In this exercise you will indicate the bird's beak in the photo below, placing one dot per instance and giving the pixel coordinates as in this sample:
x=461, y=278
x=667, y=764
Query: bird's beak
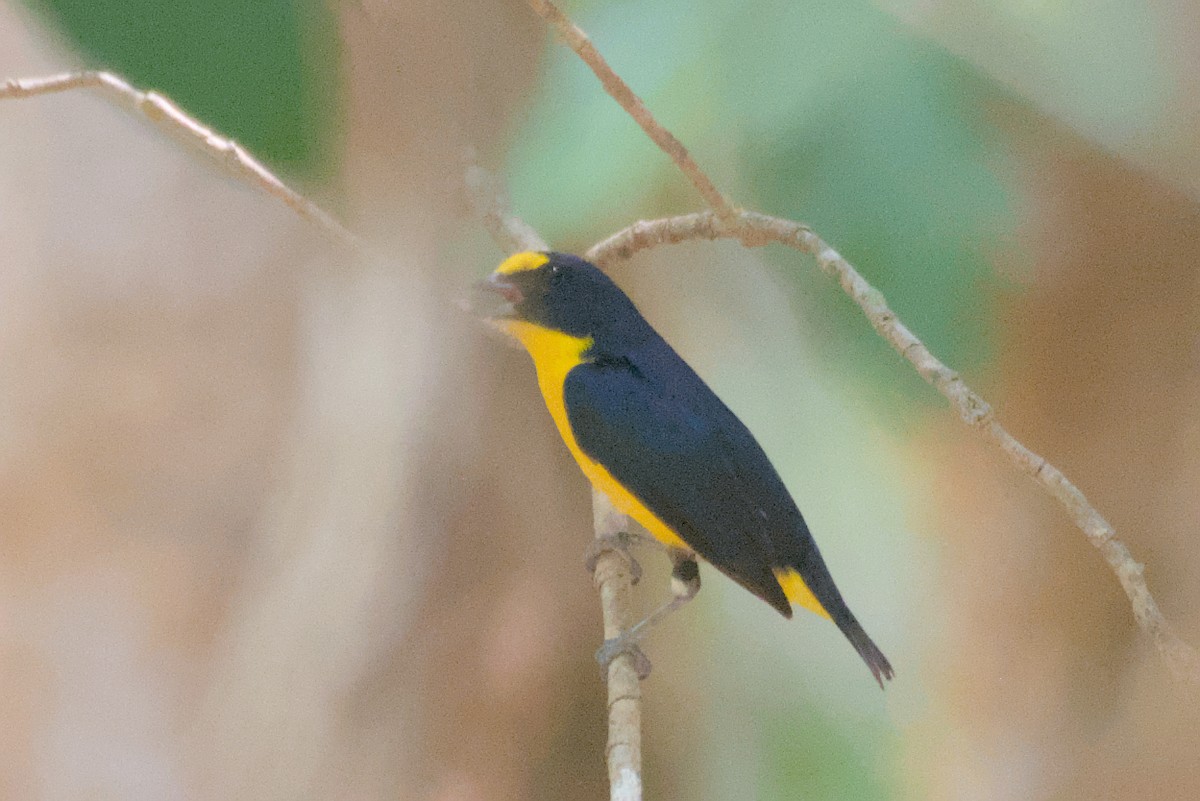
x=504, y=287
x=495, y=297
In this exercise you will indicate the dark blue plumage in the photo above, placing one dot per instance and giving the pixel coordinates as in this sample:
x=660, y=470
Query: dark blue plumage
x=638, y=409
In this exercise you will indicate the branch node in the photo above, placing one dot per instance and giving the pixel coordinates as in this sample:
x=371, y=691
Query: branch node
x=976, y=412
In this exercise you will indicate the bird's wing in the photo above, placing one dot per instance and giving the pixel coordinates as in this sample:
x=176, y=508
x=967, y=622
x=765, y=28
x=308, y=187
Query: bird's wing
x=681, y=464
x=696, y=468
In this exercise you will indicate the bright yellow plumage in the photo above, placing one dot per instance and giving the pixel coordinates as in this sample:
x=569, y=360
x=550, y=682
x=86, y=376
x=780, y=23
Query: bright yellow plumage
x=644, y=415
x=554, y=354
x=798, y=592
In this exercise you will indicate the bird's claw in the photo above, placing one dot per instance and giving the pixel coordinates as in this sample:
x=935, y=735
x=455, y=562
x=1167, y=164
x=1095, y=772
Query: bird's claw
x=623, y=644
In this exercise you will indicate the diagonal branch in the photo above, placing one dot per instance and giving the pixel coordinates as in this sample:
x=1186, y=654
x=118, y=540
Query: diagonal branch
x=759, y=229
x=578, y=41
x=756, y=229
x=490, y=201
x=163, y=112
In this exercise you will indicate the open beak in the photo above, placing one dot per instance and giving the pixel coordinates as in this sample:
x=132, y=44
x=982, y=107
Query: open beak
x=504, y=287
x=497, y=298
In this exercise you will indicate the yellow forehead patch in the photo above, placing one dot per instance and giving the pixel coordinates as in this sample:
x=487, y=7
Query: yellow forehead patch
x=521, y=262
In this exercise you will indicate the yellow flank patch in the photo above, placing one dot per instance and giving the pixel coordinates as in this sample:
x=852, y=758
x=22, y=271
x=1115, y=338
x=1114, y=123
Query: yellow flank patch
x=554, y=355
x=798, y=592
x=520, y=262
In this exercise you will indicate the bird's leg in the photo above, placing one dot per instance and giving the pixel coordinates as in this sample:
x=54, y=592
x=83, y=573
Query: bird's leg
x=685, y=583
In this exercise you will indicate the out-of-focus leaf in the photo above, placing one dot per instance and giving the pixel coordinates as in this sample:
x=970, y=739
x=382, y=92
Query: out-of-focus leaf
x=858, y=129
x=807, y=755
x=579, y=165
x=264, y=73
x=1104, y=67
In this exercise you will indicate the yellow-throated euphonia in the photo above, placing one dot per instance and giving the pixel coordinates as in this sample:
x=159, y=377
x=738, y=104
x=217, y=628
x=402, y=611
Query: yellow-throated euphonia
x=651, y=435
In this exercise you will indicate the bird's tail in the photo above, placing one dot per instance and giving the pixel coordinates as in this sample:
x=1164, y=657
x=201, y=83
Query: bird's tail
x=797, y=591
x=881, y=669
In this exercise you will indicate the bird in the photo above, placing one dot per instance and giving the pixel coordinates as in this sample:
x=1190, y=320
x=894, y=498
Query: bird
x=650, y=434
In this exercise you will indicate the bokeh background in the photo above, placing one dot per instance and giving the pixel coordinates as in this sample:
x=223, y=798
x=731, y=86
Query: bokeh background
x=279, y=523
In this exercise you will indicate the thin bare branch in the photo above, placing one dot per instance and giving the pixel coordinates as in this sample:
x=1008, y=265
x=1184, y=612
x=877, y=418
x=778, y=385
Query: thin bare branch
x=578, y=41
x=164, y=113
x=614, y=582
x=611, y=574
x=490, y=200
x=754, y=229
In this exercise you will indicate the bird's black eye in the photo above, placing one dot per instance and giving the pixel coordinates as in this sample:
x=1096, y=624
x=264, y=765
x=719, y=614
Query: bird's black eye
x=556, y=274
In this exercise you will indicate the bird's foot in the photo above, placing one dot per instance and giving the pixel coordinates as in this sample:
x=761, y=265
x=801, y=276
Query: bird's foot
x=618, y=543
x=624, y=643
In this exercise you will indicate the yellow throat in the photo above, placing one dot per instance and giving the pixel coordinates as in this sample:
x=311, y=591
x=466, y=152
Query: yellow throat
x=554, y=355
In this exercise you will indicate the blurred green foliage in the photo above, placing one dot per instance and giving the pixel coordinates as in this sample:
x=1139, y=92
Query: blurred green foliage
x=824, y=111
x=263, y=73
x=829, y=112
x=806, y=754
x=871, y=137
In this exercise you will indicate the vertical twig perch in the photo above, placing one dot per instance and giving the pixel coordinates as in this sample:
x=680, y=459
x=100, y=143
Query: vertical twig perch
x=611, y=575
x=614, y=581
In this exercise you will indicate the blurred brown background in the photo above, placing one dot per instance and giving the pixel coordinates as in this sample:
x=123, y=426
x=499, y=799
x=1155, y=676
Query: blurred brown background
x=280, y=523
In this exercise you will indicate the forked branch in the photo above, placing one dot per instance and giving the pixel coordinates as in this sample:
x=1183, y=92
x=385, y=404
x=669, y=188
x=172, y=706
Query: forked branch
x=752, y=229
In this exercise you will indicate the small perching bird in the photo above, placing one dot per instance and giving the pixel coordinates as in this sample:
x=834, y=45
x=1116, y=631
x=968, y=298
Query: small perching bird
x=651, y=435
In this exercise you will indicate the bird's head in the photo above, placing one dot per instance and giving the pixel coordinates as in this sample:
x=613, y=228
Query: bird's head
x=563, y=293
